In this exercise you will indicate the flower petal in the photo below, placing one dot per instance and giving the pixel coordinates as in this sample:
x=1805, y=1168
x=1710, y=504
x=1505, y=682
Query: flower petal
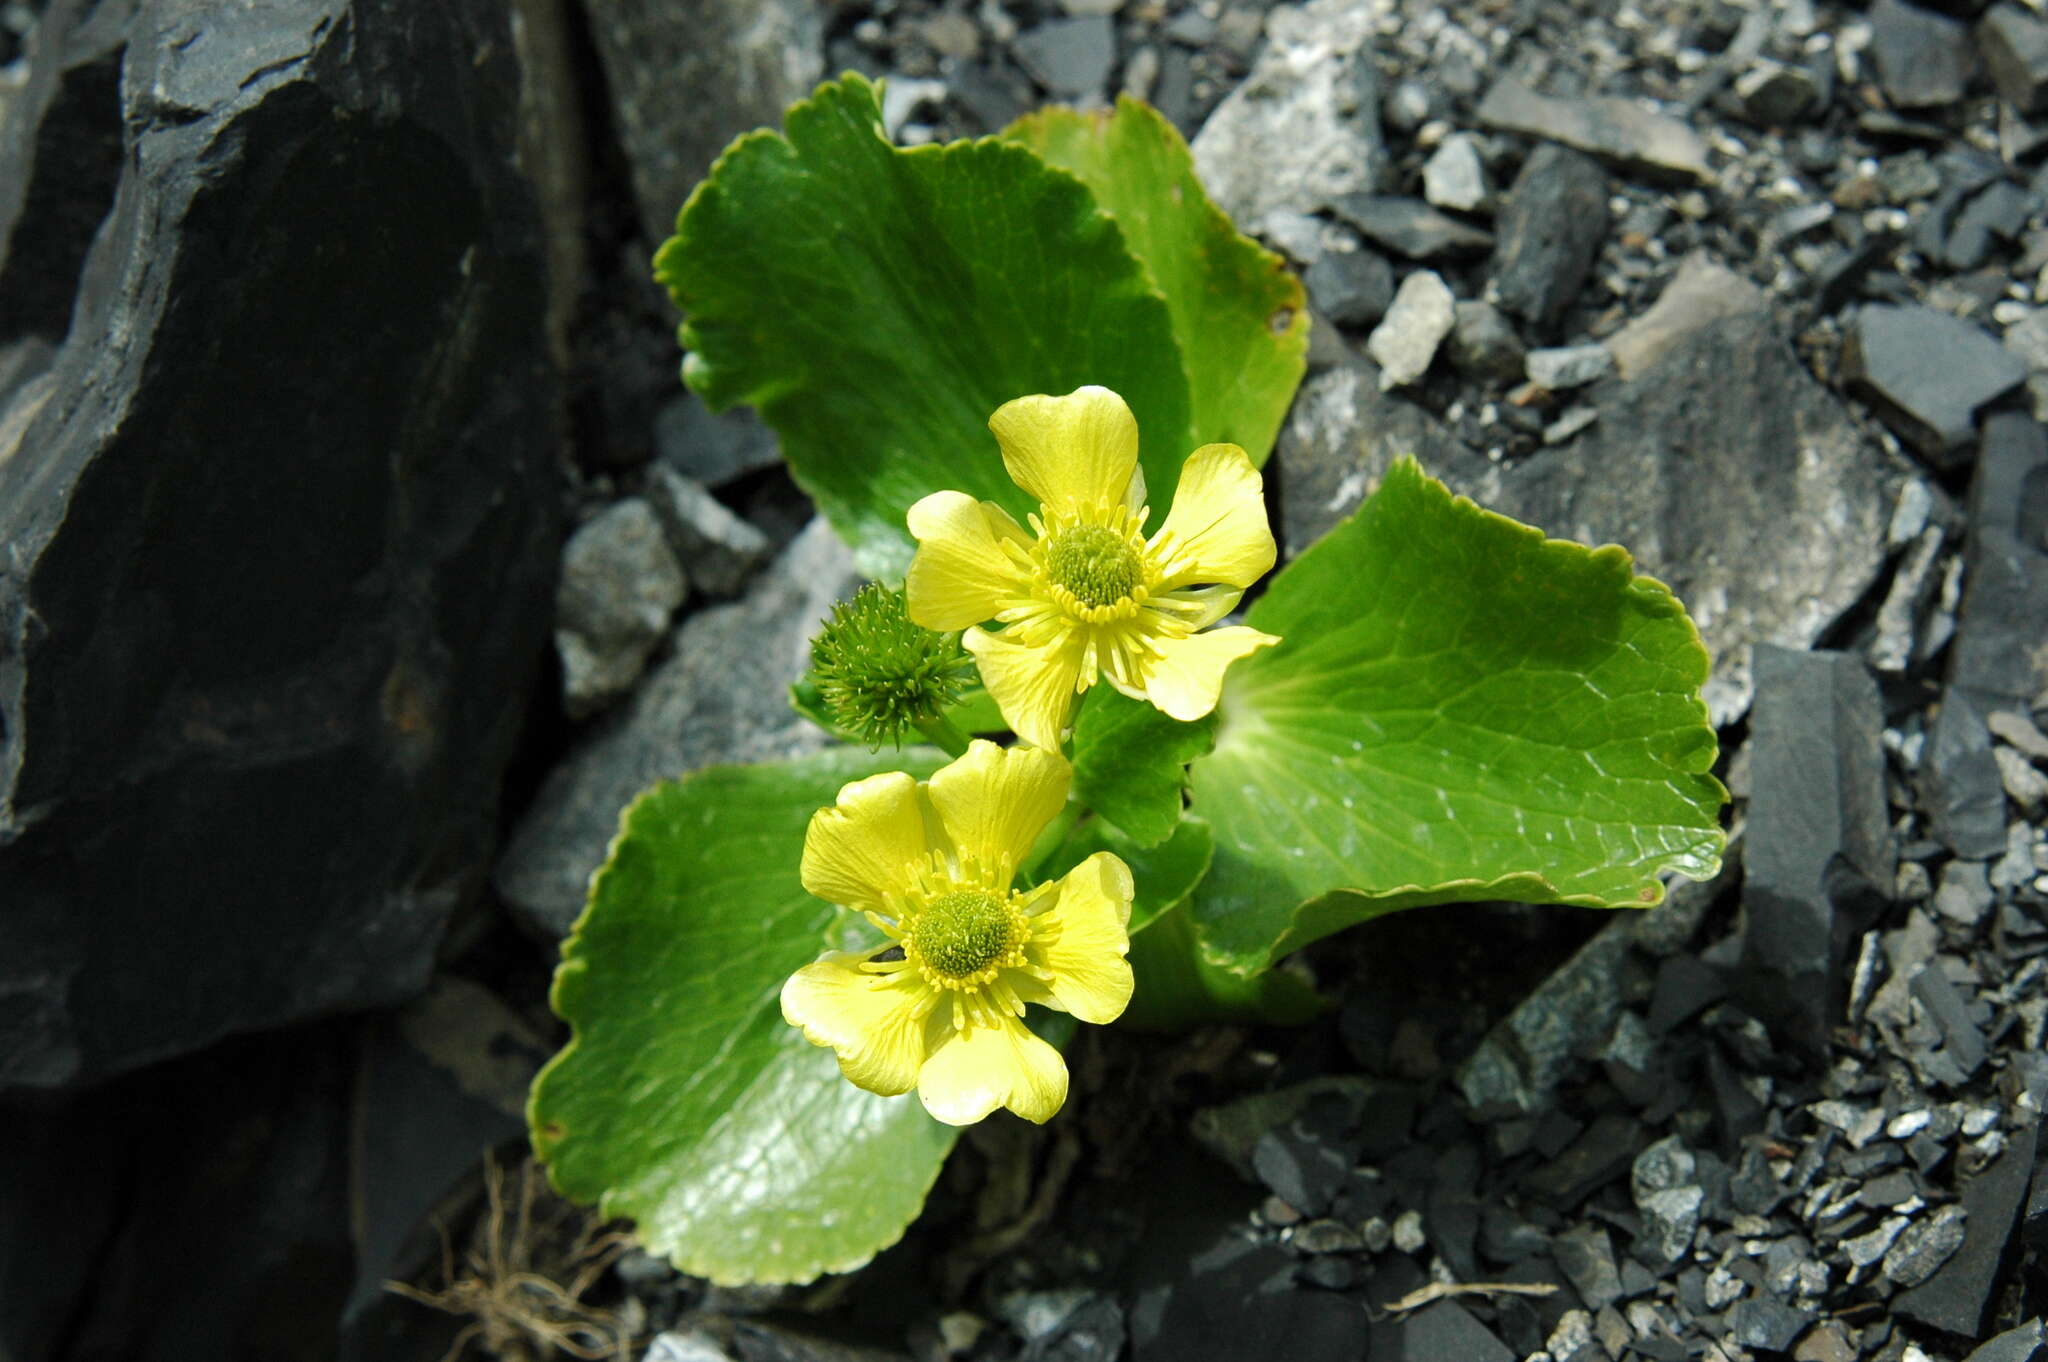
x=961, y=575
x=1032, y=686
x=863, y=846
x=1217, y=530
x=1082, y=939
x=1072, y=451
x=1187, y=675
x=989, y=1066
x=873, y=1022
x=995, y=801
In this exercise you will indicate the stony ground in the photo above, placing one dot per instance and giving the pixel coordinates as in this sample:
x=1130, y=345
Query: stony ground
x=1759, y=291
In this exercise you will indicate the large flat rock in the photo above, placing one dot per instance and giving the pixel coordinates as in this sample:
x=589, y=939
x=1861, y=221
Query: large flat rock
x=280, y=536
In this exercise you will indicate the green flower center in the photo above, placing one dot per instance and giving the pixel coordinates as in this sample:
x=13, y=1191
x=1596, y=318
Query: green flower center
x=1095, y=563
x=963, y=932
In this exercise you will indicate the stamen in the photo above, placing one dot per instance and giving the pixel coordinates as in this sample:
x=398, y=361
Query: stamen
x=1095, y=564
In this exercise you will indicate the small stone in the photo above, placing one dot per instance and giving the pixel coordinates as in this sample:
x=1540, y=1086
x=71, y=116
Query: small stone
x=1484, y=345
x=1618, y=130
x=1923, y=60
x=2014, y=727
x=1351, y=288
x=620, y=583
x=1586, y=1256
x=1760, y=1322
x=1896, y=643
x=2014, y=43
x=1326, y=1236
x=1926, y=373
x=2027, y=786
x=1828, y=1343
x=1405, y=342
x=718, y=551
x=1454, y=177
x=1571, y=366
x=1550, y=232
x=1408, y=1235
x=1964, y=894
x=1773, y=95
x=1702, y=292
x=713, y=449
x=1868, y=1248
x=1411, y=228
x=1447, y=1332
x=1070, y=57
x=1960, y=786
x=1925, y=1246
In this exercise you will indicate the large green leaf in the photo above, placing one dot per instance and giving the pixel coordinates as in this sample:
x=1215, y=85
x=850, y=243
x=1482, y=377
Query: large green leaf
x=1238, y=312
x=683, y=1101
x=1130, y=760
x=1459, y=709
x=877, y=303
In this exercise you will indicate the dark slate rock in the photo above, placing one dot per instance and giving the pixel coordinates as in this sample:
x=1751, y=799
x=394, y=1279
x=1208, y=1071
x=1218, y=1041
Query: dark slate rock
x=2014, y=43
x=1586, y=1254
x=1955, y=1297
x=1995, y=655
x=1240, y=1301
x=1483, y=345
x=234, y=1235
x=1760, y=1322
x=1092, y=1332
x=1960, y=786
x=1924, y=60
x=1963, y=1041
x=1072, y=58
x=274, y=602
x=438, y=1085
x=721, y=696
x=1620, y=131
x=56, y=1210
x=1301, y=1167
x=2024, y=1344
x=1754, y=1188
x=1926, y=373
x=1772, y=95
x=1447, y=1332
x=1994, y=215
x=685, y=80
x=1819, y=862
x=60, y=159
x=1550, y=232
x=1410, y=227
x=2034, y=1221
x=1686, y=986
x=1351, y=288
x=1523, y=1059
x=1599, y=1156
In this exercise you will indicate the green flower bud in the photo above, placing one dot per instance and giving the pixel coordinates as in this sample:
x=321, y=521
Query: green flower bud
x=880, y=675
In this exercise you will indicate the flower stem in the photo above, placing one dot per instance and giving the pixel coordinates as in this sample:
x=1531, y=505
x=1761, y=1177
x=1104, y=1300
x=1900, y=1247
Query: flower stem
x=944, y=734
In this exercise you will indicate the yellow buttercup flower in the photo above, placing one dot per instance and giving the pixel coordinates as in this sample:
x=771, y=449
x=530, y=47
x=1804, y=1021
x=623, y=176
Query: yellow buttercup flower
x=934, y=866
x=1087, y=595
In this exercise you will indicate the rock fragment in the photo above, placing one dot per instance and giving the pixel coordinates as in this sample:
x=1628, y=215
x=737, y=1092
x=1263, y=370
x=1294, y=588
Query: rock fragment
x=1955, y=1297
x=1924, y=60
x=1351, y=288
x=1550, y=233
x=1411, y=228
x=1926, y=373
x=1072, y=58
x=620, y=583
x=1303, y=128
x=1454, y=177
x=1570, y=366
x=1484, y=345
x=1405, y=341
x=1700, y=293
x=1620, y=131
x=1819, y=862
x=2014, y=43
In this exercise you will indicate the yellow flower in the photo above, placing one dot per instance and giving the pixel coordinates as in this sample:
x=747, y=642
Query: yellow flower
x=933, y=866
x=1089, y=596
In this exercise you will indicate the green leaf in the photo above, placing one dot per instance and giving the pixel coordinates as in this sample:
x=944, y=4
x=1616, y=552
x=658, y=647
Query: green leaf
x=1238, y=312
x=877, y=304
x=1460, y=709
x=683, y=1101
x=1130, y=760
